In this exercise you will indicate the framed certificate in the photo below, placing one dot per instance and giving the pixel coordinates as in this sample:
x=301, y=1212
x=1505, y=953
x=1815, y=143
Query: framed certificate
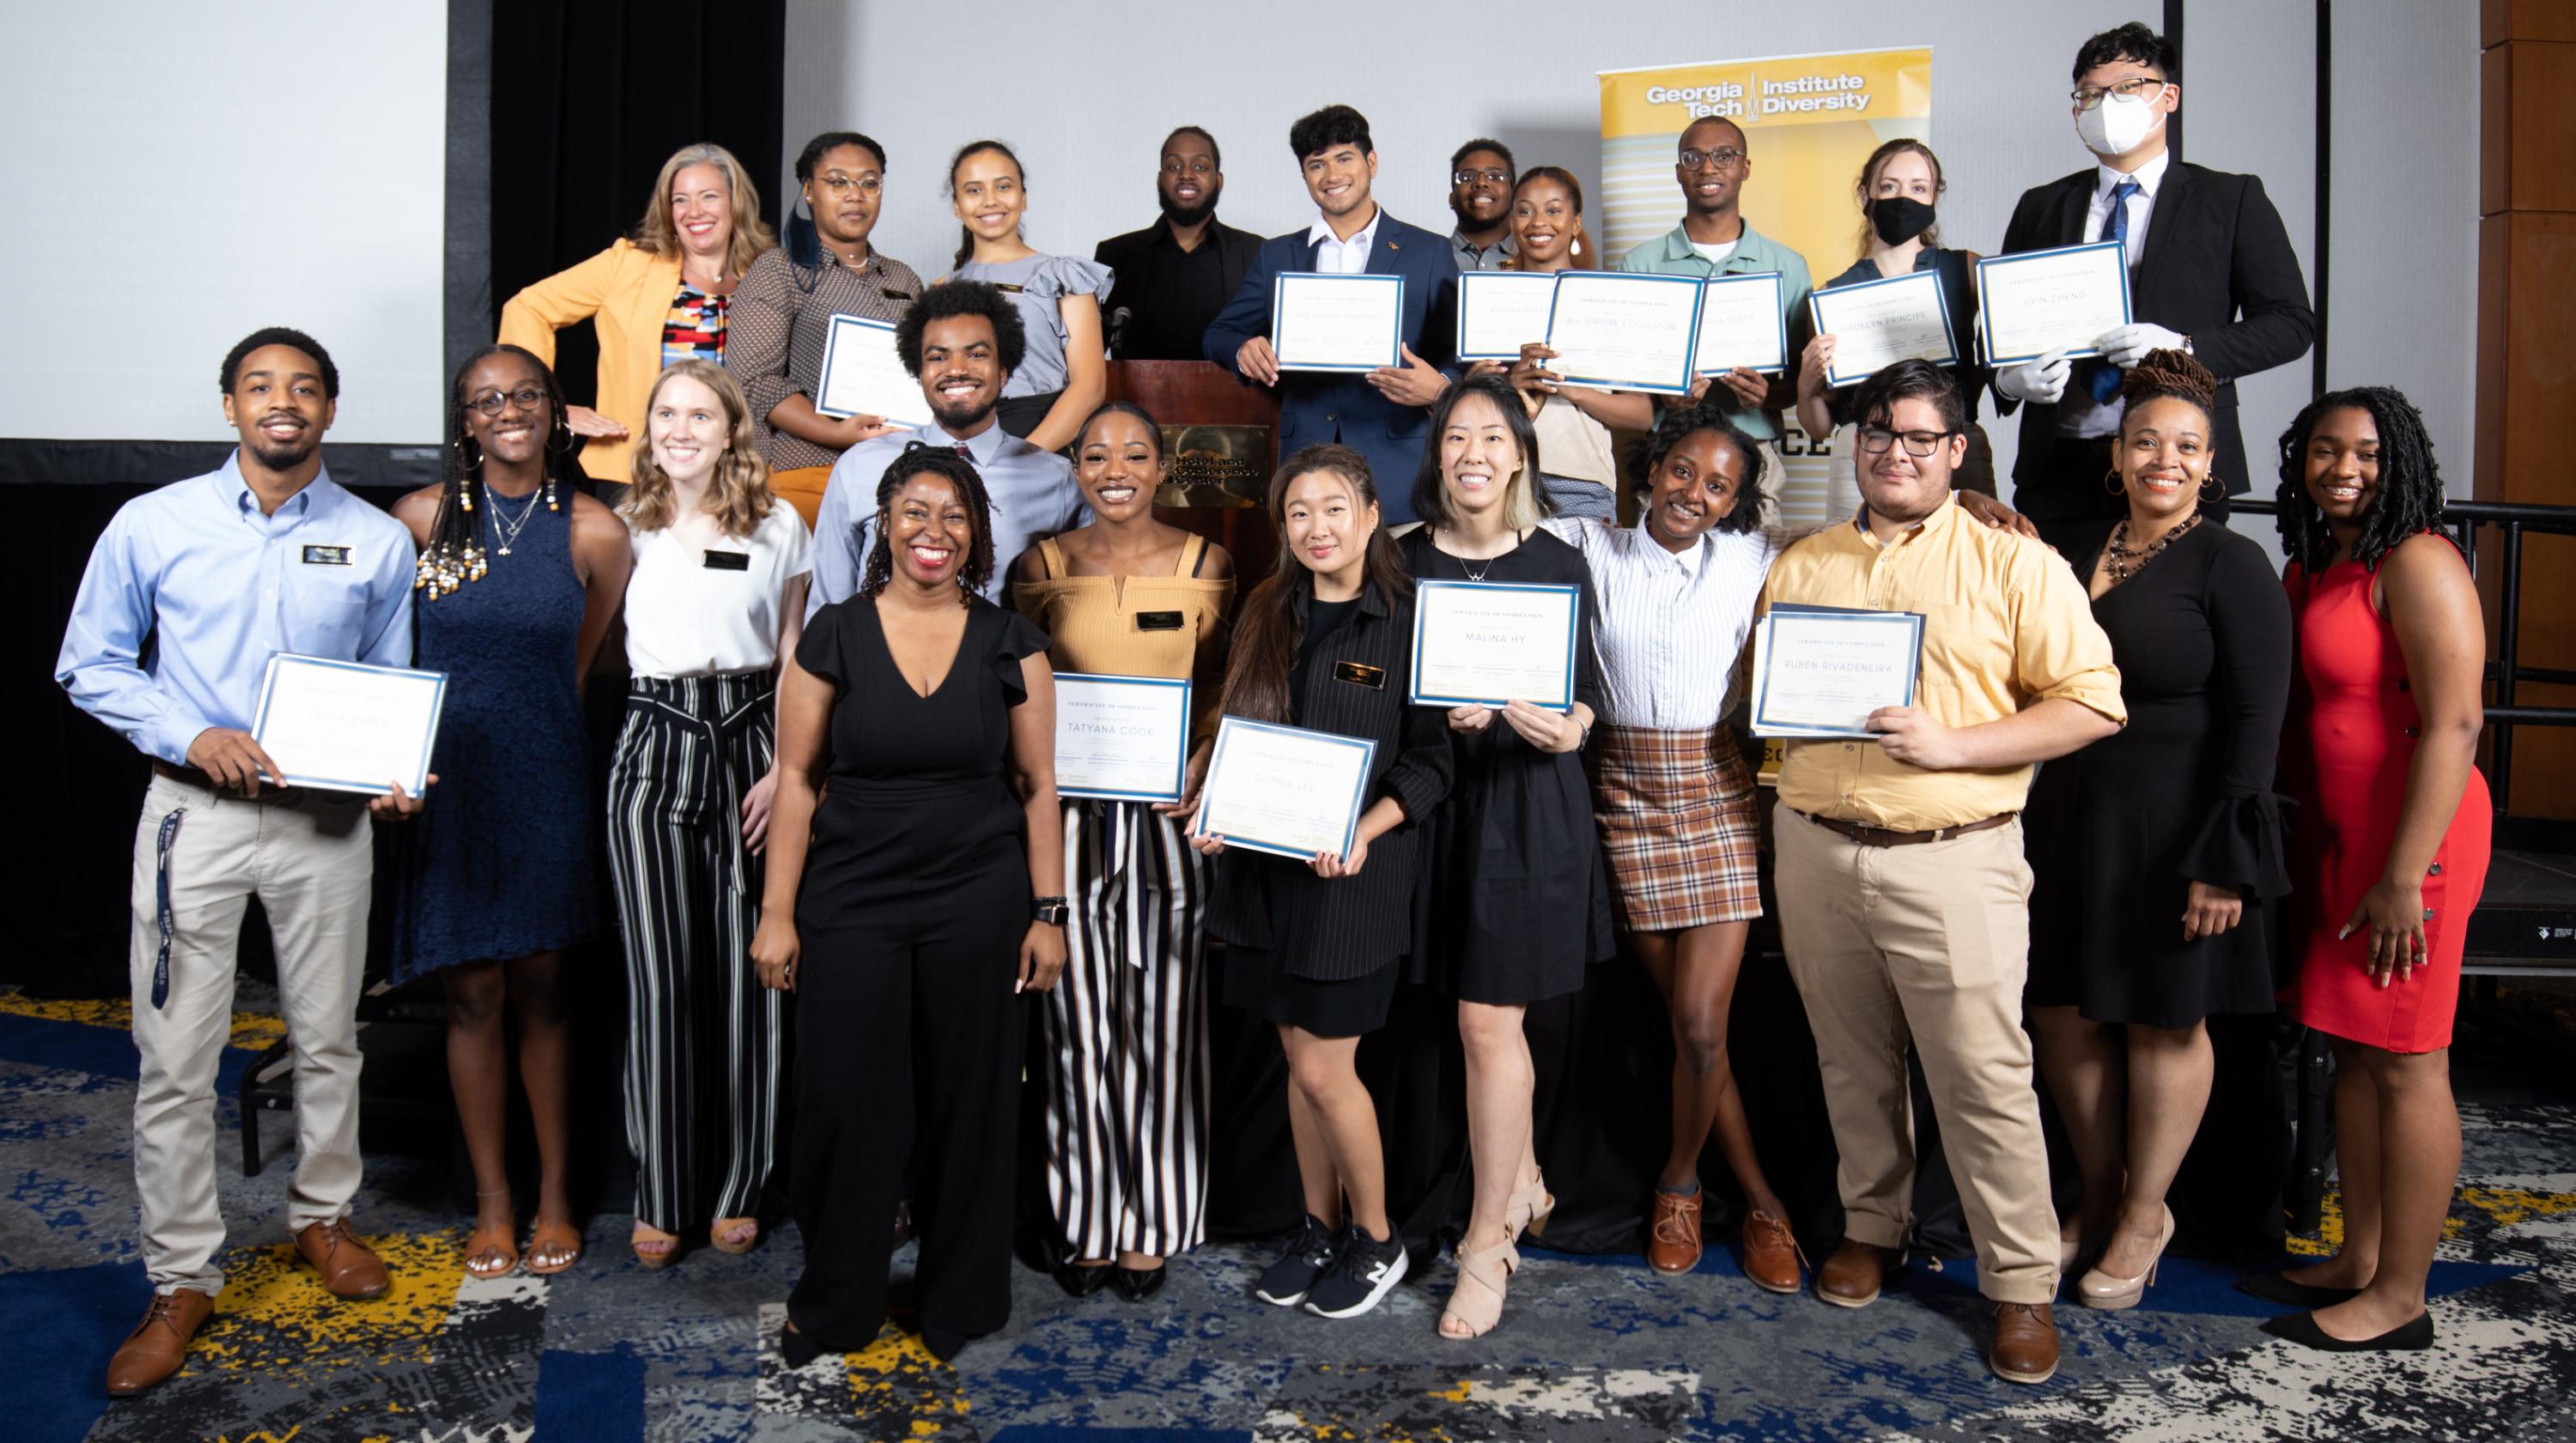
x=343, y=726
x=1878, y=323
x=1336, y=323
x=863, y=375
x=1501, y=311
x=1285, y=789
x=1624, y=332
x=1742, y=322
x=1484, y=643
x=1819, y=671
x=2053, y=300
x=1121, y=738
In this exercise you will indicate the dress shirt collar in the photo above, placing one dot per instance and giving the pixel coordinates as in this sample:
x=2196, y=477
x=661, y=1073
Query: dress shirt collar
x=1372, y=601
x=2148, y=176
x=1164, y=237
x=1944, y=515
x=1469, y=252
x=984, y=445
x=229, y=482
x=1753, y=251
x=1365, y=238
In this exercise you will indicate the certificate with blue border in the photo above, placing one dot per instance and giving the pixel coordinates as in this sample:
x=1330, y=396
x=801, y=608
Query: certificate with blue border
x=863, y=375
x=1485, y=643
x=2035, y=302
x=1819, y=671
x=1876, y=324
x=1285, y=790
x=1321, y=322
x=1624, y=331
x=1742, y=322
x=1501, y=311
x=1121, y=738
x=345, y=726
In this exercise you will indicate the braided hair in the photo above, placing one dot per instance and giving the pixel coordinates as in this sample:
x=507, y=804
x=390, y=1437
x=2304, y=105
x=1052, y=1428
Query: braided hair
x=2410, y=481
x=1679, y=424
x=921, y=460
x=454, y=554
x=2177, y=375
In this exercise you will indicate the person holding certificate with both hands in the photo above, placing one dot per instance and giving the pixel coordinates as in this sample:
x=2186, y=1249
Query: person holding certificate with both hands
x=1314, y=944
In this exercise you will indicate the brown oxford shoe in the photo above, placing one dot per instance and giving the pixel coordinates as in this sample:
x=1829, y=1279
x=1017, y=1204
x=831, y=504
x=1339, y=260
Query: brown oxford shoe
x=1672, y=1239
x=348, y=1267
x=1852, y=1277
x=155, y=1348
x=2025, y=1348
x=1770, y=1253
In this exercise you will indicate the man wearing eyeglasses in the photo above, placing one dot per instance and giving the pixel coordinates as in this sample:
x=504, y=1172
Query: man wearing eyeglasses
x=1903, y=891
x=2211, y=273
x=1176, y=274
x=1481, y=175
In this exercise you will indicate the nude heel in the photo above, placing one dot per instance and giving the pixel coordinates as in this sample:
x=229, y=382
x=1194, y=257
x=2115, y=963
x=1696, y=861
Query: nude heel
x=2098, y=1289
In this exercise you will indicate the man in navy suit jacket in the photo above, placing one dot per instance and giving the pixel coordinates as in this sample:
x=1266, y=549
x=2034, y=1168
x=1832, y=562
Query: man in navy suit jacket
x=1382, y=413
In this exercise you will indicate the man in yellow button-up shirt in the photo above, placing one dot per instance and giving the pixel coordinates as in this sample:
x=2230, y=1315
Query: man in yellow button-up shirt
x=1903, y=892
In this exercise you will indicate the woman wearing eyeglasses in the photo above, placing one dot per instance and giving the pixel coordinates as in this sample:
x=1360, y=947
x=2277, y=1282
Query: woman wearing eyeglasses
x=782, y=316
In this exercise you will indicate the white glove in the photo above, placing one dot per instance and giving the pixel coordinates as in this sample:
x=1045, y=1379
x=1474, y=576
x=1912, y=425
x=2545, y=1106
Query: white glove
x=2039, y=382
x=2127, y=345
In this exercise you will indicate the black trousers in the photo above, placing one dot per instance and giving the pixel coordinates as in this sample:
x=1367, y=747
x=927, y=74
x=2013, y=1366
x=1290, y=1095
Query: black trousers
x=2071, y=489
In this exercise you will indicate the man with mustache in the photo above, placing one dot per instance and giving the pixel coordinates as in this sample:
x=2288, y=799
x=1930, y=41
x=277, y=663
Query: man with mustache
x=1176, y=274
x=1481, y=176
x=189, y=592
x=962, y=339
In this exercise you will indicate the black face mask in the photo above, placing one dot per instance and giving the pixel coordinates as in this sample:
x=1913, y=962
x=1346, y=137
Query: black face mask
x=1899, y=219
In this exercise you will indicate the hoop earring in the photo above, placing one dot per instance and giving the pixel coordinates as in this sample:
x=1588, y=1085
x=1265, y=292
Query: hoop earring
x=2205, y=494
x=2111, y=482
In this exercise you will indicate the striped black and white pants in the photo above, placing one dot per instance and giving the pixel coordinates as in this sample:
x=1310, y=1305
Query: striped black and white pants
x=1126, y=1031
x=704, y=1039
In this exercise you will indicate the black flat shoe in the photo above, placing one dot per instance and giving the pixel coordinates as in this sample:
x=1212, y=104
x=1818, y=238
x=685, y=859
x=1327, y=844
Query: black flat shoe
x=942, y=1343
x=796, y=1349
x=2301, y=1328
x=1138, y=1284
x=1079, y=1281
x=2277, y=1288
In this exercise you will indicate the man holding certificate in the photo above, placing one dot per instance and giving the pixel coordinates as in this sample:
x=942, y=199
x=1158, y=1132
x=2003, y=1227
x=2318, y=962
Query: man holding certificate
x=1901, y=877
x=189, y=593
x=1376, y=408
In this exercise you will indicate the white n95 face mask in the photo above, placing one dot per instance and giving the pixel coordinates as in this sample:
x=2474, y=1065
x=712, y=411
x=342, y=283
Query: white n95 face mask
x=2115, y=126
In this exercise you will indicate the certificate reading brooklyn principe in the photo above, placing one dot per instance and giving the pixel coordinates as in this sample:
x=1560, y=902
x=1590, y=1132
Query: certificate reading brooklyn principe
x=1876, y=324
x=1336, y=323
x=1121, y=738
x=342, y=726
x=1485, y=643
x=1819, y=671
x=1284, y=789
x=863, y=375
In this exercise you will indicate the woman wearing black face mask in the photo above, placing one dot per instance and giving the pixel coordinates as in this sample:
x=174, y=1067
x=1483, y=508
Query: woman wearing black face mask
x=1899, y=234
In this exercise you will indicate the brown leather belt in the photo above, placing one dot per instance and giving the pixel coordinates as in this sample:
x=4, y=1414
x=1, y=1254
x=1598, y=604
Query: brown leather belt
x=1869, y=836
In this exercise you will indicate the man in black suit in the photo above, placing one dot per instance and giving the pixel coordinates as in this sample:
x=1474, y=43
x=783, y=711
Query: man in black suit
x=1173, y=276
x=2211, y=273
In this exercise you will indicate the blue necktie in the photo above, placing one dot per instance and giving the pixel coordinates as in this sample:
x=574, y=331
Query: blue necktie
x=2103, y=379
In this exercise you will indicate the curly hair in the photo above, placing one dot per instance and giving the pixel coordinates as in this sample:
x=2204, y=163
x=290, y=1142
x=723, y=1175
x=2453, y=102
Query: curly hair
x=656, y=235
x=1680, y=424
x=454, y=554
x=2174, y=375
x=738, y=494
x=950, y=299
x=920, y=460
x=2410, y=481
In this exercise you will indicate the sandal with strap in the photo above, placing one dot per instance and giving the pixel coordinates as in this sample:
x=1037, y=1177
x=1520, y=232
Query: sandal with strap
x=1476, y=1303
x=552, y=1247
x=654, y=1248
x=1529, y=1209
x=489, y=1252
x=734, y=1236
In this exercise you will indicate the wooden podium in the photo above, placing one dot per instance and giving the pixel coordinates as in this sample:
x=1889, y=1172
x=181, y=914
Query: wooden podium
x=1220, y=443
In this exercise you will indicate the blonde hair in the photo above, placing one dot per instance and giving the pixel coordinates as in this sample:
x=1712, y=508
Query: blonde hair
x=751, y=235
x=738, y=494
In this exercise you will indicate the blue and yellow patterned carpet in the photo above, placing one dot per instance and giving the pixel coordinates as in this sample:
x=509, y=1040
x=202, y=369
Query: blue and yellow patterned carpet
x=1593, y=1348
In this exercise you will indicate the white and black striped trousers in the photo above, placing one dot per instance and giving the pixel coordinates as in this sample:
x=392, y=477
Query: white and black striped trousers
x=1126, y=1028
x=703, y=1037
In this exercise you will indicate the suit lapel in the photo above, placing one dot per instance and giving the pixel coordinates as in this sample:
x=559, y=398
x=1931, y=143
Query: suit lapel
x=2172, y=210
x=2074, y=203
x=1382, y=256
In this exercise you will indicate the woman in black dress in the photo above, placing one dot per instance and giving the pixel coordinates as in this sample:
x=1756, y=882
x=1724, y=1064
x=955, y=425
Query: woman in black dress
x=909, y=924
x=1326, y=643
x=2152, y=850
x=1518, y=901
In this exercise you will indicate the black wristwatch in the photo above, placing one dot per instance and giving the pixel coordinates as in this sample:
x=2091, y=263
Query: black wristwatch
x=1050, y=910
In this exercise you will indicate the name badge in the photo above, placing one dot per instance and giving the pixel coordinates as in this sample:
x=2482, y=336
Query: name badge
x=727, y=560
x=1159, y=620
x=1006, y=288
x=890, y=293
x=326, y=556
x=1372, y=677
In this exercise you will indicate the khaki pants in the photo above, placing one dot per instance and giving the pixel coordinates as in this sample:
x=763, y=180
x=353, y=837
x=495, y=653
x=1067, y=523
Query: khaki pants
x=308, y=856
x=1925, y=943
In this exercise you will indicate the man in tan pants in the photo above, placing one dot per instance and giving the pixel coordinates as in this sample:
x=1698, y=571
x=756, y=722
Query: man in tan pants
x=1903, y=893
x=189, y=592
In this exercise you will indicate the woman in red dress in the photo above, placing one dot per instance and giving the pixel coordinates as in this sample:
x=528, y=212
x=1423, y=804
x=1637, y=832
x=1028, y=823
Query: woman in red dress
x=2390, y=846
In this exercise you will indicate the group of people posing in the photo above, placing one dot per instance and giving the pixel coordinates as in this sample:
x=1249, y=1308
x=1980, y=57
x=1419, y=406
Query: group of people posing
x=834, y=780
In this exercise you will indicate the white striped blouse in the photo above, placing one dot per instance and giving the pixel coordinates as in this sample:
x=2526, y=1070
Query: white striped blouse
x=1670, y=627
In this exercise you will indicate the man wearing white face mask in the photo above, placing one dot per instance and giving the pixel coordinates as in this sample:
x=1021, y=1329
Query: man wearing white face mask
x=2211, y=273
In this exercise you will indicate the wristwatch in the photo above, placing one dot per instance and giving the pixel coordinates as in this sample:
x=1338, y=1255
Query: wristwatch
x=1050, y=910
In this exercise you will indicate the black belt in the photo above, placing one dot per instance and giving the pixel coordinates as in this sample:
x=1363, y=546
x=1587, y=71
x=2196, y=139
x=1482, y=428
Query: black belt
x=1869, y=836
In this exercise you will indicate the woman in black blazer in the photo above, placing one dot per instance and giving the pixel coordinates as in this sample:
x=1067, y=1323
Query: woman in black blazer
x=1326, y=643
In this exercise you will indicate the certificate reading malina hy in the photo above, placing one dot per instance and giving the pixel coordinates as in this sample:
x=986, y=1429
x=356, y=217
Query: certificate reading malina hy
x=1485, y=643
x=1820, y=671
x=1284, y=789
x=1121, y=738
x=342, y=726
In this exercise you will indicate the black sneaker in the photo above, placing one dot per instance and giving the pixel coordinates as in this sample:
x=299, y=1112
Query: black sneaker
x=1285, y=1282
x=1358, y=1277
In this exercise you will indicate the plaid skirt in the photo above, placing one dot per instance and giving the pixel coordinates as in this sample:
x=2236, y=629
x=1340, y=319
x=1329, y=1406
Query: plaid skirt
x=1678, y=826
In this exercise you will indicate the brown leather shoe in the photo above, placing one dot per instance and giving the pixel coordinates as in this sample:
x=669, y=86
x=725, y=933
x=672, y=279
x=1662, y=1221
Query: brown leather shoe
x=2025, y=1348
x=1672, y=1240
x=348, y=1267
x=1770, y=1253
x=1852, y=1277
x=154, y=1349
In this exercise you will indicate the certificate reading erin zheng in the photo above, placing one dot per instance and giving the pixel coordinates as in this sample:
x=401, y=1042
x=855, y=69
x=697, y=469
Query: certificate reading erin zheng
x=2053, y=300
x=1284, y=789
x=1121, y=738
x=343, y=726
x=1819, y=671
x=1485, y=643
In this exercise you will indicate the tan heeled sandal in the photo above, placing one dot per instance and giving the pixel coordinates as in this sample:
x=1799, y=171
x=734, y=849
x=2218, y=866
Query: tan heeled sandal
x=1476, y=1303
x=646, y=1235
x=734, y=1236
x=1529, y=1209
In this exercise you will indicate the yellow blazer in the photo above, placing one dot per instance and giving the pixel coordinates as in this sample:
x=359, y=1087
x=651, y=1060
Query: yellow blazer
x=625, y=292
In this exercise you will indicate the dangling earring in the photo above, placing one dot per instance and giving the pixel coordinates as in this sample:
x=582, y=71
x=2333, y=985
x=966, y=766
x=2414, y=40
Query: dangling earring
x=550, y=492
x=1576, y=249
x=2111, y=481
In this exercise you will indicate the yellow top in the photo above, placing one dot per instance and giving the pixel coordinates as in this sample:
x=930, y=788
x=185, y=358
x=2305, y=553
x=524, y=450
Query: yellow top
x=625, y=292
x=1136, y=626
x=2006, y=624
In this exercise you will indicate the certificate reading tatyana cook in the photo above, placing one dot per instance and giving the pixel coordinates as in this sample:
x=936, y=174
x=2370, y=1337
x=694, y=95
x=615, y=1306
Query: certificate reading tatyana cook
x=342, y=726
x=1121, y=738
x=1819, y=671
x=1485, y=643
x=1336, y=323
x=1284, y=789
x=863, y=375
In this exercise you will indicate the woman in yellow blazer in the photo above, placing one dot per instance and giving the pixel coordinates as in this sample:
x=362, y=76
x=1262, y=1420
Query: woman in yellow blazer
x=657, y=297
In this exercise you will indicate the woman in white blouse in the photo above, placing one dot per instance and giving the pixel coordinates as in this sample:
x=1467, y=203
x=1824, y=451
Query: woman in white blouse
x=717, y=596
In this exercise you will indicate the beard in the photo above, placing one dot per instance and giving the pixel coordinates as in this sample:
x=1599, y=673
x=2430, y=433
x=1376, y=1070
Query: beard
x=1179, y=214
x=959, y=419
x=286, y=457
x=1467, y=220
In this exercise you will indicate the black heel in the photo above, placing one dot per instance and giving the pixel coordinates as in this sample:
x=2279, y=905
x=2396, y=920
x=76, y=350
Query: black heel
x=942, y=1343
x=2301, y=1328
x=796, y=1349
x=2275, y=1288
x=1138, y=1284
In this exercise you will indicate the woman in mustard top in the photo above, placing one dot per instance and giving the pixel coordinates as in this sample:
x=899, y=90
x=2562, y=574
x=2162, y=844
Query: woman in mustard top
x=1127, y=1086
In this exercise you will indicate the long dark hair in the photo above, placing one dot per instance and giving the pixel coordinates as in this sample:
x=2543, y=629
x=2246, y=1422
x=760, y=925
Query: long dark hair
x=966, y=236
x=1524, y=503
x=2410, y=481
x=1272, y=627
x=1680, y=424
x=454, y=554
x=917, y=460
